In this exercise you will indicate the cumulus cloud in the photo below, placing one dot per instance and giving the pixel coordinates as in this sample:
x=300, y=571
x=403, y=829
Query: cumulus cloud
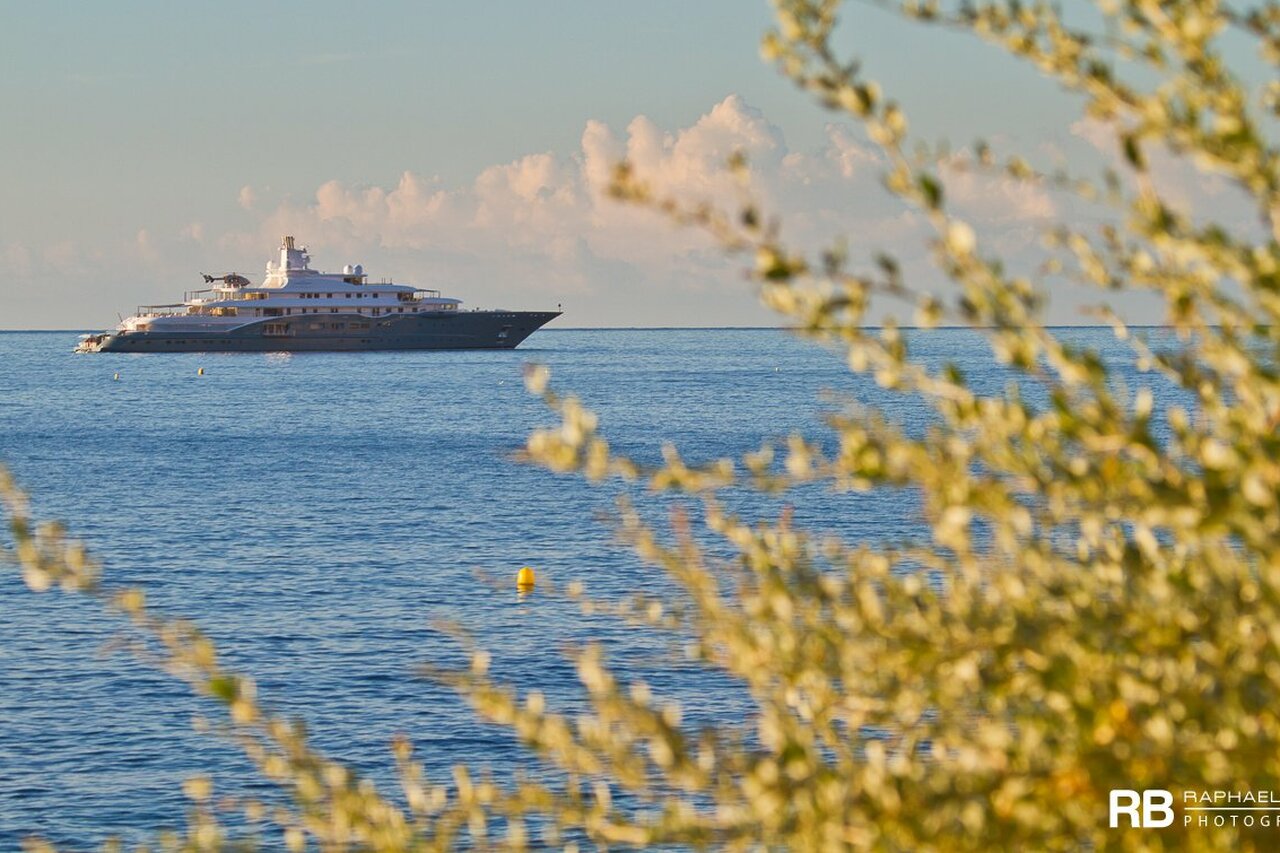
x=540, y=229
x=541, y=226
x=1196, y=193
x=145, y=245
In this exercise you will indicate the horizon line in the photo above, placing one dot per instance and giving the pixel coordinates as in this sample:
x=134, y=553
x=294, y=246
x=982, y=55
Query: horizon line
x=709, y=328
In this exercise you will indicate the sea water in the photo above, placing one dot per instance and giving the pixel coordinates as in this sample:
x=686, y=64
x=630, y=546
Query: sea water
x=322, y=516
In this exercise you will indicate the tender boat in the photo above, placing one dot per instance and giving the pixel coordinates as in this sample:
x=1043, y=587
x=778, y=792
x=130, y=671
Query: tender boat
x=298, y=309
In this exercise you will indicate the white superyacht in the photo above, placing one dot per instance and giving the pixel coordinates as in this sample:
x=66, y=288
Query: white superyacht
x=299, y=309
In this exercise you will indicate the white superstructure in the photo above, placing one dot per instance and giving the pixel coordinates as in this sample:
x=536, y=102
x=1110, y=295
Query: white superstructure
x=290, y=289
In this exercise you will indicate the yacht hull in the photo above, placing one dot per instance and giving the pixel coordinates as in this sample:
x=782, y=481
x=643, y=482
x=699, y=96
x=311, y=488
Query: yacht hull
x=340, y=333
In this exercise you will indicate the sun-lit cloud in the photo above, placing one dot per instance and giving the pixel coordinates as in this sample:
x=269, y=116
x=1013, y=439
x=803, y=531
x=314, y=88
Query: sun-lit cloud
x=1193, y=191
x=542, y=226
x=145, y=245
x=541, y=229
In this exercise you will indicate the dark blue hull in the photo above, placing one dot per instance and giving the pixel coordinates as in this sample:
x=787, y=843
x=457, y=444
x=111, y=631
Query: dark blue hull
x=345, y=332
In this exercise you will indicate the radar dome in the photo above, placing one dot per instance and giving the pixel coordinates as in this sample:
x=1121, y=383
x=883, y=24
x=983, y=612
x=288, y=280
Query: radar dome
x=347, y=270
x=359, y=270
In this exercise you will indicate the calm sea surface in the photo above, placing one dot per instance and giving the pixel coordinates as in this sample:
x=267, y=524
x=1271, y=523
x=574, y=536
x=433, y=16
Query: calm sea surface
x=320, y=514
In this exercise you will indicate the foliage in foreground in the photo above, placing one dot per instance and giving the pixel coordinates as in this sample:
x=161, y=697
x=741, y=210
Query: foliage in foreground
x=1091, y=608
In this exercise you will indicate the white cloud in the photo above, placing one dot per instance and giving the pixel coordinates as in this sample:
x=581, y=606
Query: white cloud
x=540, y=230
x=1190, y=190
x=541, y=227
x=1099, y=134
x=145, y=245
x=998, y=201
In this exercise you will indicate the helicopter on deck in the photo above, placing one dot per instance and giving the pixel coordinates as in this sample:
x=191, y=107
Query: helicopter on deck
x=232, y=279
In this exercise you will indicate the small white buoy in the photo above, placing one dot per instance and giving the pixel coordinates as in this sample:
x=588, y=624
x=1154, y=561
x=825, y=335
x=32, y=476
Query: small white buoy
x=117, y=376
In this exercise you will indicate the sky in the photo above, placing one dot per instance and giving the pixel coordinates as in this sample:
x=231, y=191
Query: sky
x=463, y=146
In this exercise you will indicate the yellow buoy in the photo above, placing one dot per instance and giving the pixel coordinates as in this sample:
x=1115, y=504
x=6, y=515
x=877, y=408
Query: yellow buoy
x=525, y=579
x=200, y=372
x=117, y=376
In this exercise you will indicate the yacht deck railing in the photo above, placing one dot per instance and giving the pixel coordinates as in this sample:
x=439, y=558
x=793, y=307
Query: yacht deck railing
x=161, y=310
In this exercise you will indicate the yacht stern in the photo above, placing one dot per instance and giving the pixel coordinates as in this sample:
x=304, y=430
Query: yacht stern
x=92, y=343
